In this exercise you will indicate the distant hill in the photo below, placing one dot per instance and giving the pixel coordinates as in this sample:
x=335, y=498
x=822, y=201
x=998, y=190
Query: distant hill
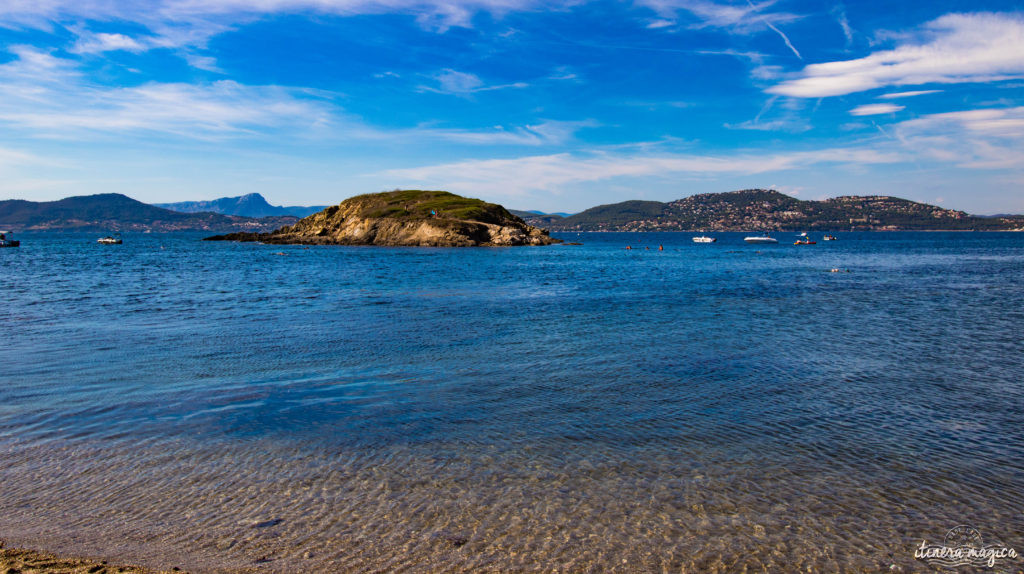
x=768, y=210
x=116, y=212
x=249, y=205
x=539, y=218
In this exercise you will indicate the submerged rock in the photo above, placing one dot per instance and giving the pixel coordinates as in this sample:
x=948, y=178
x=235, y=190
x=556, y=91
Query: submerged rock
x=406, y=218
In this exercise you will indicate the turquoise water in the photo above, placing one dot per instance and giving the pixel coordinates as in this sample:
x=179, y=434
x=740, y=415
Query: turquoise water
x=220, y=406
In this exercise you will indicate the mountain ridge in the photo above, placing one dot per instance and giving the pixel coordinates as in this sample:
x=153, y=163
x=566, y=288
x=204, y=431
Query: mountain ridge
x=248, y=205
x=770, y=210
x=117, y=212
x=744, y=210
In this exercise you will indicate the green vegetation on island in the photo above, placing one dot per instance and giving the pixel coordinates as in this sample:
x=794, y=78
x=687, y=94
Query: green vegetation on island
x=406, y=218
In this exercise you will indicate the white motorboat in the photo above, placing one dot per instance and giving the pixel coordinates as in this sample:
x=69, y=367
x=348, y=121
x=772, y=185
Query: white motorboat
x=760, y=239
x=108, y=240
x=704, y=239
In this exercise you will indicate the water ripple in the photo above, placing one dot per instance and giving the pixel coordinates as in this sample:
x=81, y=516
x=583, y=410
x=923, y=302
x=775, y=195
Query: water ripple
x=706, y=408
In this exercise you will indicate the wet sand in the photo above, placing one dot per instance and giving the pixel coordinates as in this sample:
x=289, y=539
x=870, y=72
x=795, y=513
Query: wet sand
x=22, y=561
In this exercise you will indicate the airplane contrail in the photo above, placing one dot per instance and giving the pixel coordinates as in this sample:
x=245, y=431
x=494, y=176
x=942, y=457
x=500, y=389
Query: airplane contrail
x=777, y=31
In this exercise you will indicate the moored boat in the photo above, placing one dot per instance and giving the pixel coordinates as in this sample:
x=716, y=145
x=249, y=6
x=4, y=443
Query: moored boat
x=829, y=238
x=760, y=239
x=108, y=240
x=704, y=239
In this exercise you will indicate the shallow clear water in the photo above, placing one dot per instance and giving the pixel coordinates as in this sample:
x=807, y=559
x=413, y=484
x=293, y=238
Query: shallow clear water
x=567, y=408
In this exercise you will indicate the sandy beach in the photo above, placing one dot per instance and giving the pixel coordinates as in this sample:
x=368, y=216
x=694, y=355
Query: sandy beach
x=23, y=561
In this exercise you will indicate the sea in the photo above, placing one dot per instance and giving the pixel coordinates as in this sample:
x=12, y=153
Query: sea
x=666, y=407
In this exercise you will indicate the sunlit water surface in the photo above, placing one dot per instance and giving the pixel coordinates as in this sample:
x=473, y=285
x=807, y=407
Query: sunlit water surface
x=220, y=406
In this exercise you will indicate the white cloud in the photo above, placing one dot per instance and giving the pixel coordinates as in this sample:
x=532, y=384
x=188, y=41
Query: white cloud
x=200, y=14
x=1000, y=122
x=461, y=83
x=875, y=109
x=955, y=48
x=454, y=82
x=659, y=23
x=898, y=95
x=49, y=97
x=742, y=18
x=738, y=18
x=89, y=43
x=218, y=109
x=12, y=157
x=544, y=133
x=780, y=125
x=552, y=173
x=977, y=139
x=208, y=63
x=844, y=24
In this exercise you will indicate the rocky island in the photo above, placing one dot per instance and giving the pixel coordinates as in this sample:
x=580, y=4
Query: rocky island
x=406, y=218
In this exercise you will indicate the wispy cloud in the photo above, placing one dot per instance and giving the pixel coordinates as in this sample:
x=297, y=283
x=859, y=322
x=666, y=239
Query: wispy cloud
x=738, y=18
x=461, y=83
x=840, y=13
x=779, y=125
x=541, y=134
x=552, y=173
x=434, y=14
x=659, y=23
x=785, y=39
x=955, y=48
x=979, y=139
x=898, y=95
x=89, y=43
x=775, y=29
x=743, y=18
x=48, y=97
x=875, y=109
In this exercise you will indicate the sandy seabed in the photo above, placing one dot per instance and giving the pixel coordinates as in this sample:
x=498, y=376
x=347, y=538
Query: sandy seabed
x=22, y=561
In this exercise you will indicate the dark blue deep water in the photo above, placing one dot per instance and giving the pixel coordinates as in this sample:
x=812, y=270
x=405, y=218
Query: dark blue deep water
x=221, y=406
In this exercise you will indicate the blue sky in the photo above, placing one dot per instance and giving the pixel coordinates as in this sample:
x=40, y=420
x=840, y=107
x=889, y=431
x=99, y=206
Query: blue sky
x=531, y=104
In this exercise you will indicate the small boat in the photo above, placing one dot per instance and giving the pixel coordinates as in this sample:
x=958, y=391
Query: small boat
x=804, y=242
x=829, y=238
x=6, y=241
x=760, y=239
x=704, y=239
x=108, y=240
